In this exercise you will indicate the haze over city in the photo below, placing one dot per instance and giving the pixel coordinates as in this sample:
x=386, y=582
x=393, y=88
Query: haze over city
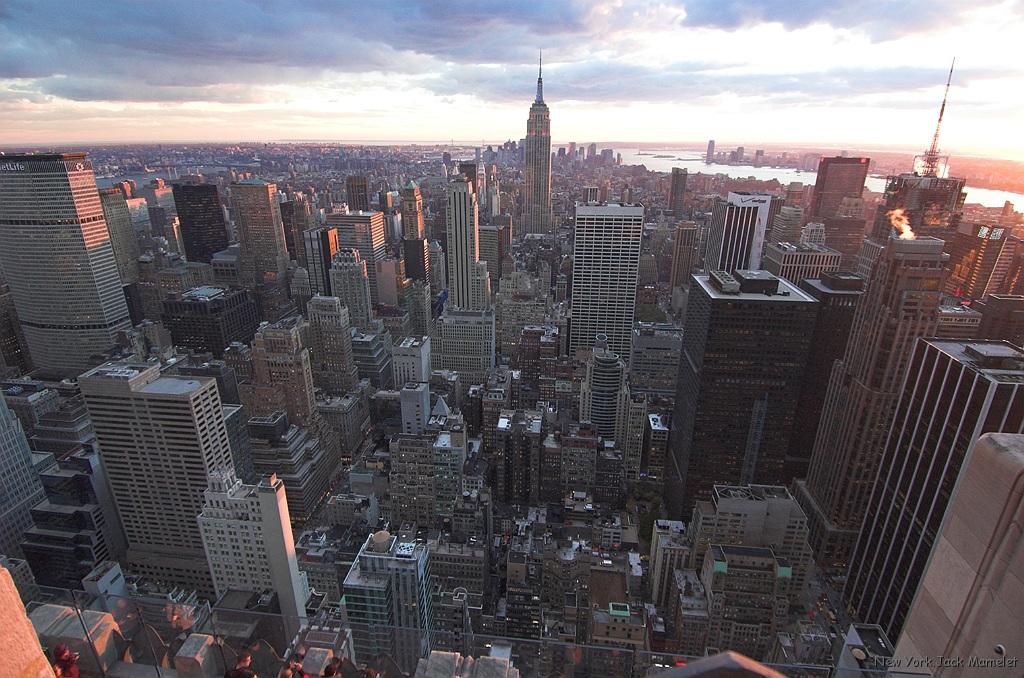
x=859, y=74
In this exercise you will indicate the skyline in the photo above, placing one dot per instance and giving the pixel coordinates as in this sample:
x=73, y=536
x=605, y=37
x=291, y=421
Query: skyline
x=636, y=71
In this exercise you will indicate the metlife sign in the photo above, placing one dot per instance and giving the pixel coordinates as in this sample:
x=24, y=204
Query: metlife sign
x=12, y=167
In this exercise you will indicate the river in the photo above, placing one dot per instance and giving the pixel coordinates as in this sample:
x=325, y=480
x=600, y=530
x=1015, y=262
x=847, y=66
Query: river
x=693, y=161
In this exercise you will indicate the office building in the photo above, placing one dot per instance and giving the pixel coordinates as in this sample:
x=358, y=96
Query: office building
x=463, y=342
x=362, y=231
x=787, y=225
x=371, y=352
x=281, y=371
x=977, y=264
x=677, y=192
x=966, y=606
x=122, y=235
x=737, y=233
x=670, y=551
x=21, y=487
x=388, y=600
x=954, y=393
x=932, y=206
x=297, y=218
x=76, y=526
x=201, y=220
x=299, y=460
x=1002, y=318
x=68, y=298
x=160, y=439
x=604, y=396
x=605, y=270
x=320, y=245
x=838, y=295
x=357, y=192
x=247, y=536
x=209, y=319
x=655, y=345
x=330, y=341
x=736, y=399
x=838, y=178
x=263, y=253
x=796, y=261
x=754, y=515
x=351, y=283
x=495, y=244
x=468, y=280
x=537, y=169
x=410, y=359
x=845, y=234
x=13, y=346
x=684, y=254
x=900, y=305
x=746, y=588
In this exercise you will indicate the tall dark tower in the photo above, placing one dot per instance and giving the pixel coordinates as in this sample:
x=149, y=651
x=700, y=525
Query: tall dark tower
x=357, y=188
x=900, y=305
x=931, y=203
x=537, y=206
x=203, y=229
x=838, y=178
x=677, y=192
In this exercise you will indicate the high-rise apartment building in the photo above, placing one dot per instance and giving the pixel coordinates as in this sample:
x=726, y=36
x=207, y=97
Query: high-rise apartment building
x=900, y=304
x=736, y=398
x=677, y=192
x=357, y=190
x=954, y=393
x=264, y=255
x=838, y=178
x=362, y=231
x=21, y=488
x=160, y=440
x=201, y=216
x=605, y=270
x=468, y=280
x=537, y=170
x=737, y=233
x=122, y=235
x=247, y=536
x=56, y=254
x=388, y=600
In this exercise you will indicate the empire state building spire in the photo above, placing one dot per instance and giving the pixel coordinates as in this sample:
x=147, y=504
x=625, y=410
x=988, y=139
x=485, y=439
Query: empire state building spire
x=540, y=79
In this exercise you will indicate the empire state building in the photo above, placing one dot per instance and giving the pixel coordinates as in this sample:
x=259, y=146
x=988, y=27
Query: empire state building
x=537, y=206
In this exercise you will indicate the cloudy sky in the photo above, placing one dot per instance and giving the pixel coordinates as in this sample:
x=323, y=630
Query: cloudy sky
x=847, y=72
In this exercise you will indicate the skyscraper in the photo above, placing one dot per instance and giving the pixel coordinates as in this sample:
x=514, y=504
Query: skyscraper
x=160, y=440
x=684, y=254
x=414, y=244
x=21, y=489
x=362, y=231
x=709, y=157
x=605, y=269
x=387, y=600
x=351, y=283
x=203, y=230
x=357, y=188
x=677, y=192
x=122, y=235
x=838, y=178
x=247, y=536
x=900, y=304
x=736, y=398
x=468, y=280
x=264, y=256
x=738, y=228
x=954, y=393
x=330, y=338
x=320, y=244
x=56, y=253
x=537, y=172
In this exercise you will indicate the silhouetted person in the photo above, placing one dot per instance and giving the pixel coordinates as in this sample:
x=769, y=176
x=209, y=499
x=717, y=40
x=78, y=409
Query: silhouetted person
x=241, y=669
x=65, y=662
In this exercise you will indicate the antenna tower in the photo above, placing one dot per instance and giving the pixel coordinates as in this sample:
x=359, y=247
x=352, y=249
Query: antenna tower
x=932, y=160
